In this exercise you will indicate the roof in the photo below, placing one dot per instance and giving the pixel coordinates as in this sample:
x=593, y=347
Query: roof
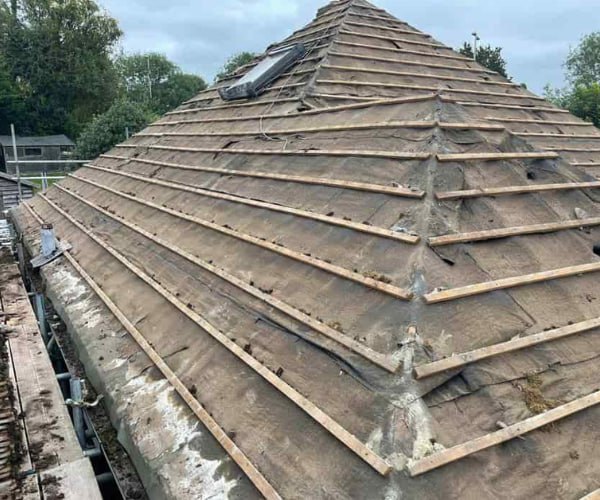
x=9, y=177
x=48, y=140
x=386, y=255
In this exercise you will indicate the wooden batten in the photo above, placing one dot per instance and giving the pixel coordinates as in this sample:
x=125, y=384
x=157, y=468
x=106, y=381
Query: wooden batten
x=397, y=50
x=506, y=283
x=391, y=39
x=586, y=164
x=425, y=87
x=318, y=181
x=454, y=157
x=460, y=360
x=539, y=122
x=507, y=232
x=387, y=28
x=407, y=62
x=334, y=428
x=341, y=272
x=241, y=104
x=397, y=155
x=557, y=135
x=460, y=451
x=414, y=75
x=506, y=106
x=514, y=190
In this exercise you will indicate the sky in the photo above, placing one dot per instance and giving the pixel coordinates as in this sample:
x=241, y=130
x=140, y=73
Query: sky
x=199, y=35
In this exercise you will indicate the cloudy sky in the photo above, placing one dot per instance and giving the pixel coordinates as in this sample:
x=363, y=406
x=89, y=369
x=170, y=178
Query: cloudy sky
x=199, y=35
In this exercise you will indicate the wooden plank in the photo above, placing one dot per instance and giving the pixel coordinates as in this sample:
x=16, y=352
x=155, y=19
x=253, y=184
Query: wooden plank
x=512, y=190
x=504, y=283
x=396, y=155
x=319, y=111
x=354, y=83
x=512, y=431
x=334, y=221
x=299, y=130
x=495, y=156
x=405, y=51
x=318, y=181
x=594, y=495
x=569, y=149
x=415, y=75
x=539, y=122
x=478, y=104
x=392, y=39
x=586, y=164
x=466, y=358
x=304, y=34
x=377, y=358
x=297, y=256
x=329, y=128
x=506, y=232
x=557, y=136
x=242, y=104
x=359, y=57
x=348, y=439
x=386, y=28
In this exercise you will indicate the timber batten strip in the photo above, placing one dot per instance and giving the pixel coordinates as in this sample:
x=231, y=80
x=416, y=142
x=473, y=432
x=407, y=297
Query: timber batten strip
x=334, y=428
x=336, y=183
x=460, y=360
x=506, y=232
x=405, y=51
x=478, y=104
x=236, y=105
x=386, y=28
x=557, y=135
x=415, y=75
x=571, y=149
x=390, y=39
x=398, y=155
x=204, y=416
x=335, y=221
x=538, y=122
x=513, y=190
x=426, y=87
x=504, y=283
x=333, y=109
x=495, y=156
x=360, y=349
x=585, y=164
x=460, y=451
x=267, y=89
x=349, y=55
x=327, y=128
x=297, y=256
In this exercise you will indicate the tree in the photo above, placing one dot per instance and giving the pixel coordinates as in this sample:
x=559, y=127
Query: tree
x=487, y=56
x=234, y=62
x=582, y=96
x=155, y=82
x=109, y=128
x=583, y=63
x=59, y=52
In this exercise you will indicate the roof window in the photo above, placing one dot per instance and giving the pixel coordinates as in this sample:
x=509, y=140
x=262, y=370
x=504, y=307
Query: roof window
x=268, y=69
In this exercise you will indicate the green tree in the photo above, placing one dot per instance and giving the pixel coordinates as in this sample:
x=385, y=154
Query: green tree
x=582, y=96
x=109, y=129
x=487, y=56
x=59, y=52
x=583, y=63
x=233, y=63
x=155, y=82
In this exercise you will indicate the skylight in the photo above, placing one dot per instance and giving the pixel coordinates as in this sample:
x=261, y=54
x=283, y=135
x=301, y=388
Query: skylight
x=269, y=68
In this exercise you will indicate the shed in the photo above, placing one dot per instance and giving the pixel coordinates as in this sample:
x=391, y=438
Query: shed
x=368, y=281
x=9, y=191
x=37, y=149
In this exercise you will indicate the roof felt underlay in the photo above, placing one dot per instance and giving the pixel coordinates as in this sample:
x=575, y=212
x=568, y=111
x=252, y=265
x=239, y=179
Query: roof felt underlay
x=323, y=196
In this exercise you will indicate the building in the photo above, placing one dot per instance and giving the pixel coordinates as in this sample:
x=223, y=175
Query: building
x=37, y=149
x=374, y=279
x=9, y=192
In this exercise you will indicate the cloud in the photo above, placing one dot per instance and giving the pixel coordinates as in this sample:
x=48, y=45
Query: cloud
x=200, y=35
